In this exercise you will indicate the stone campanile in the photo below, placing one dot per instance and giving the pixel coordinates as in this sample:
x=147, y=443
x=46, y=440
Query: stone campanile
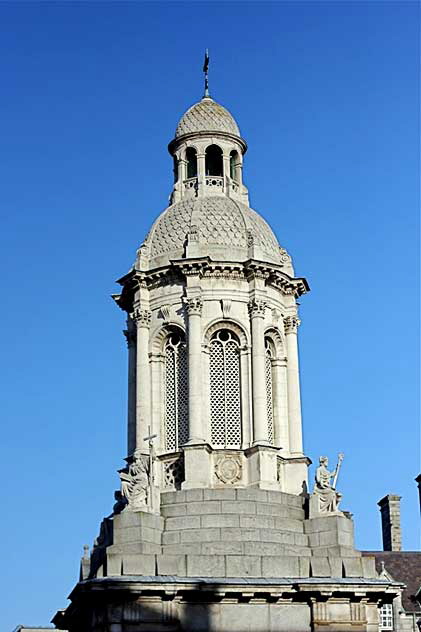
x=212, y=326
x=212, y=529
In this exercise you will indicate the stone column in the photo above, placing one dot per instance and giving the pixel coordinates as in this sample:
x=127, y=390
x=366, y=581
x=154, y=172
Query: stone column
x=142, y=318
x=294, y=401
x=260, y=416
x=130, y=334
x=194, y=311
x=280, y=404
x=201, y=174
x=182, y=171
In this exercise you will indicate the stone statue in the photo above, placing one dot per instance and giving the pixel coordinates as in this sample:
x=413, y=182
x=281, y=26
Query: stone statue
x=135, y=482
x=325, y=492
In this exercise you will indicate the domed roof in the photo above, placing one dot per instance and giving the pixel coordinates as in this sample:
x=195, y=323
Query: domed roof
x=207, y=116
x=223, y=229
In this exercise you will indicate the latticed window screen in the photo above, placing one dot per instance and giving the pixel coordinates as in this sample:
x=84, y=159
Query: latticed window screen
x=176, y=392
x=386, y=617
x=225, y=395
x=269, y=386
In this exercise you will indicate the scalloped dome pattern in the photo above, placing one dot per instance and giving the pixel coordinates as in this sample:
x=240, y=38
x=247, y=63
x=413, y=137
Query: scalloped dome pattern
x=207, y=116
x=218, y=221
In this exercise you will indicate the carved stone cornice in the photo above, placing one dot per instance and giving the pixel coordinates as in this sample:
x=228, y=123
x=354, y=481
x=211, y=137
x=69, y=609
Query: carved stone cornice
x=194, y=306
x=142, y=317
x=291, y=324
x=130, y=338
x=257, y=308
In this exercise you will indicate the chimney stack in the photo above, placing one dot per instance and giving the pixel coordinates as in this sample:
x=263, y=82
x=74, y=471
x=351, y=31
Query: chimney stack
x=418, y=480
x=391, y=522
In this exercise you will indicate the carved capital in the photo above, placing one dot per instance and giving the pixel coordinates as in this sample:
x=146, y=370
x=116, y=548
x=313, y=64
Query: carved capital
x=194, y=306
x=130, y=338
x=291, y=324
x=142, y=317
x=257, y=308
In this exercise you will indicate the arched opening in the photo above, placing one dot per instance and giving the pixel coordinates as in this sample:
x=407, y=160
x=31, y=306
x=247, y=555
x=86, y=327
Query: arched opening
x=191, y=159
x=213, y=161
x=175, y=168
x=269, y=357
x=225, y=390
x=235, y=165
x=176, y=391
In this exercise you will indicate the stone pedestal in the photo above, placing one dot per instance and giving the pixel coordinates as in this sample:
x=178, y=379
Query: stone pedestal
x=262, y=467
x=197, y=466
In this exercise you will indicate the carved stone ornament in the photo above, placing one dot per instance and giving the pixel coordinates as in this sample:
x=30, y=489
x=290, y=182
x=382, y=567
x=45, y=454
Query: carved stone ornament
x=135, y=482
x=142, y=317
x=284, y=256
x=194, y=306
x=250, y=238
x=226, y=307
x=165, y=312
x=291, y=324
x=193, y=234
x=228, y=469
x=257, y=308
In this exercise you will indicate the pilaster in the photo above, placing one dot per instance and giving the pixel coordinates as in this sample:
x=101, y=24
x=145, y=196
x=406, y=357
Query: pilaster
x=142, y=319
x=257, y=309
x=291, y=324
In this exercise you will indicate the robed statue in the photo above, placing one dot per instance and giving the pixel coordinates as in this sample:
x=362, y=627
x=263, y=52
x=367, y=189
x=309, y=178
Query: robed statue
x=325, y=490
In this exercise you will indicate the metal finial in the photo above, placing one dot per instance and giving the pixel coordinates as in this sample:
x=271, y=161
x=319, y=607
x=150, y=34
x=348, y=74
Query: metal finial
x=205, y=70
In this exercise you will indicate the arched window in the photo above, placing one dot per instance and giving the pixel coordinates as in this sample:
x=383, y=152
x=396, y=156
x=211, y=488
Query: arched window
x=176, y=392
x=213, y=161
x=269, y=356
x=234, y=165
x=191, y=158
x=225, y=388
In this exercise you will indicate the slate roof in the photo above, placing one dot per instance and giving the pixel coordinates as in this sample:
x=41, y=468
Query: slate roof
x=403, y=566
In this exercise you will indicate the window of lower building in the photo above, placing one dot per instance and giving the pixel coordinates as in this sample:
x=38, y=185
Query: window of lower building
x=386, y=617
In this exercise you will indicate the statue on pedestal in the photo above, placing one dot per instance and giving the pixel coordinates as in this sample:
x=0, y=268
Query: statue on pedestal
x=135, y=482
x=325, y=499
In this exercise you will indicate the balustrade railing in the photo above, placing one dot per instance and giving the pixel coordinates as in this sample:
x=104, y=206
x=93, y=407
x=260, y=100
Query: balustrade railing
x=215, y=182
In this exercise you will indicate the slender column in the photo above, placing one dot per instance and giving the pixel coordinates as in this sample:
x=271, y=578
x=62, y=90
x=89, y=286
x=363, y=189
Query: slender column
x=280, y=403
x=130, y=334
x=260, y=415
x=201, y=173
x=142, y=318
x=194, y=311
x=294, y=401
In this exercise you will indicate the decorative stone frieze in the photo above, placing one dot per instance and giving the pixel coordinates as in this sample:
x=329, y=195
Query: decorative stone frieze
x=194, y=306
x=257, y=308
x=142, y=317
x=226, y=307
x=291, y=324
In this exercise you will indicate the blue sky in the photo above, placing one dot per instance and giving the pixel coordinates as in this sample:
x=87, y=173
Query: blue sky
x=326, y=95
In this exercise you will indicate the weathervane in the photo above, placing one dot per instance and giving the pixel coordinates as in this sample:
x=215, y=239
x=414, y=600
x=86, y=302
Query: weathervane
x=205, y=70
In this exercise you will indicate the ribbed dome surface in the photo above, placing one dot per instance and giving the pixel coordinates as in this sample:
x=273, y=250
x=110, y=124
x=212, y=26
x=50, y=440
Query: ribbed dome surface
x=223, y=227
x=207, y=116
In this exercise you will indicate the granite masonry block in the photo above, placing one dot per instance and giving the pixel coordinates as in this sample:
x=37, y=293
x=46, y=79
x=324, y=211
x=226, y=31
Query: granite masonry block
x=280, y=566
x=205, y=566
x=179, y=509
x=273, y=535
x=204, y=507
x=289, y=524
x=279, y=498
x=313, y=539
x=171, y=565
x=138, y=564
x=263, y=548
x=341, y=551
x=193, y=495
x=353, y=567
x=320, y=567
x=368, y=566
x=258, y=495
x=171, y=537
x=137, y=519
x=219, y=520
x=270, y=509
x=296, y=550
x=242, y=535
x=182, y=522
x=301, y=539
x=335, y=564
x=114, y=563
x=304, y=566
x=182, y=549
x=243, y=566
x=137, y=534
x=222, y=548
x=134, y=547
x=239, y=506
x=169, y=498
x=200, y=535
x=219, y=494
x=257, y=522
